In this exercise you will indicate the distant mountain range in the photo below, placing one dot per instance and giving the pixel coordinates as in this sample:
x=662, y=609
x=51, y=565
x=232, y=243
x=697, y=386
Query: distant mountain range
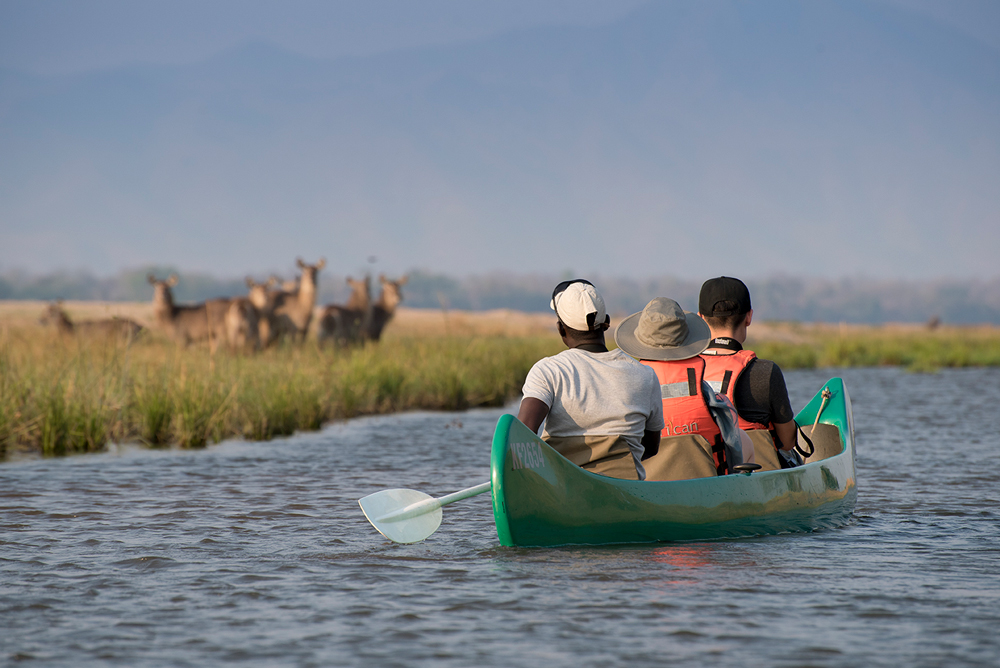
x=690, y=137
x=780, y=298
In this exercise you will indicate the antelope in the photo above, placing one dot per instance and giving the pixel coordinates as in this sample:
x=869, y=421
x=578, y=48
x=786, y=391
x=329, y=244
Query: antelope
x=184, y=324
x=242, y=325
x=294, y=309
x=383, y=310
x=263, y=297
x=118, y=328
x=344, y=324
x=222, y=319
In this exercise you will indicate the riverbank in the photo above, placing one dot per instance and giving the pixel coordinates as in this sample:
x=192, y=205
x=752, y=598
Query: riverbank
x=60, y=395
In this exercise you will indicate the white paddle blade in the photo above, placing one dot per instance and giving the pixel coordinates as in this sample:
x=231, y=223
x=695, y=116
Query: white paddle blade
x=408, y=529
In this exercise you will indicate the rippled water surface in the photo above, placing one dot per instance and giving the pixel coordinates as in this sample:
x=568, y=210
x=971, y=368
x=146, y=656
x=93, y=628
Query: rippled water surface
x=257, y=553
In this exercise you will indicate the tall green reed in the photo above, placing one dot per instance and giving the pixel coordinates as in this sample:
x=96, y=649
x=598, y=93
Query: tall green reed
x=58, y=396
x=61, y=396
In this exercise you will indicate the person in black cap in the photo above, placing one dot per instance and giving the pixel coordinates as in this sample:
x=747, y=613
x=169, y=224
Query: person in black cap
x=756, y=386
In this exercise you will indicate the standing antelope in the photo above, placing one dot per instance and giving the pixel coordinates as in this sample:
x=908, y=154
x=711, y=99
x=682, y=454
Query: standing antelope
x=344, y=325
x=263, y=296
x=383, y=310
x=184, y=324
x=222, y=319
x=294, y=310
x=242, y=325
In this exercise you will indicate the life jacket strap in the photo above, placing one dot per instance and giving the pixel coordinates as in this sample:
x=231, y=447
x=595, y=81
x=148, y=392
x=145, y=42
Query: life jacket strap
x=725, y=381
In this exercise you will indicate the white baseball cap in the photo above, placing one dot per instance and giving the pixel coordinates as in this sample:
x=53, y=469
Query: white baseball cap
x=579, y=305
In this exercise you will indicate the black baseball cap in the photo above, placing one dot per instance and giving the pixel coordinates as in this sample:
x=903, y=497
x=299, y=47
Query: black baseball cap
x=723, y=289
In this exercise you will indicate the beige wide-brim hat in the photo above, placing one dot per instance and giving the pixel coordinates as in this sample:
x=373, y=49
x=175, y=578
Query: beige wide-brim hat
x=664, y=332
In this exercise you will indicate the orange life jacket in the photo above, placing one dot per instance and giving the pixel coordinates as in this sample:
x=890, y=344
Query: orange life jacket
x=722, y=372
x=685, y=410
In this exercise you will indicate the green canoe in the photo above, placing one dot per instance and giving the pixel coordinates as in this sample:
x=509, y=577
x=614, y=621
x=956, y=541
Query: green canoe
x=542, y=499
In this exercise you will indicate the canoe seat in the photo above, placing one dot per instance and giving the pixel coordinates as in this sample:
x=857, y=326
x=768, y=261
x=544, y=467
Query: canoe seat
x=681, y=458
x=827, y=442
x=826, y=439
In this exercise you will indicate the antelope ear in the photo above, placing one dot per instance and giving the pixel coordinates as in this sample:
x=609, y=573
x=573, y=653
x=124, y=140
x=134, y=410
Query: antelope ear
x=402, y=281
x=273, y=280
x=321, y=263
x=300, y=263
x=172, y=280
x=250, y=282
x=151, y=279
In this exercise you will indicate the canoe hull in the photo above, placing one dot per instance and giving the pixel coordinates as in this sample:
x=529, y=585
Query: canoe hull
x=542, y=499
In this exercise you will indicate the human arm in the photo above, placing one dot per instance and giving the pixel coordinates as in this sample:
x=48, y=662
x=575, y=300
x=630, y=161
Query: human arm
x=654, y=421
x=532, y=412
x=537, y=395
x=650, y=443
x=781, y=411
x=786, y=435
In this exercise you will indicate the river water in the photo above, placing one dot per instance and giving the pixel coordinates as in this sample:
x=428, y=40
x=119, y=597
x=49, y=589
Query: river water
x=257, y=553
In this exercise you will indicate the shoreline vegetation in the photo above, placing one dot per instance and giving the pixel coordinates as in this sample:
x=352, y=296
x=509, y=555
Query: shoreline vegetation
x=61, y=395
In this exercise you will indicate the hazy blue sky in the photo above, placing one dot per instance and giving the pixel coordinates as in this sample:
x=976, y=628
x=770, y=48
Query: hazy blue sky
x=61, y=36
x=757, y=138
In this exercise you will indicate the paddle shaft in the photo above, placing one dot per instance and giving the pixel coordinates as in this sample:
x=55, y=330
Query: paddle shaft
x=826, y=397
x=429, y=505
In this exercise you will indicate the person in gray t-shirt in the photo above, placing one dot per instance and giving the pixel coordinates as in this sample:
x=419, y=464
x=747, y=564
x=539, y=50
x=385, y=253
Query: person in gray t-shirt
x=601, y=408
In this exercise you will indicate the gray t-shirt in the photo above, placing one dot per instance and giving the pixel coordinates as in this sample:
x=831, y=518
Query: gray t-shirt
x=597, y=394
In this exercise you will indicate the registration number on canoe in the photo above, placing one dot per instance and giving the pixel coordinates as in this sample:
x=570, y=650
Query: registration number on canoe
x=526, y=456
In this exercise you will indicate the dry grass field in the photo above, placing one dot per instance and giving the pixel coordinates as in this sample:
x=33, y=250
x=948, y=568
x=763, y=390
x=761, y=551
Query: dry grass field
x=407, y=321
x=503, y=322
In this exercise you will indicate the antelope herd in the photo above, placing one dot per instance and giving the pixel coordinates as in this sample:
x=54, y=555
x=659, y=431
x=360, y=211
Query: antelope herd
x=268, y=315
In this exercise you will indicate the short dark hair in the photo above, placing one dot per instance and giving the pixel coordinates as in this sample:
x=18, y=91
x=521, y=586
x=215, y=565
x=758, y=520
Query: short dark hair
x=724, y=302
x=596, y=334
x=725, y=321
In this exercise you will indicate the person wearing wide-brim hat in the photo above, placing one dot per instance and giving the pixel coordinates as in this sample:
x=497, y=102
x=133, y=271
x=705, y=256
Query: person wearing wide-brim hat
x=601, y=408
x=663, y=331
x=668, y=339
